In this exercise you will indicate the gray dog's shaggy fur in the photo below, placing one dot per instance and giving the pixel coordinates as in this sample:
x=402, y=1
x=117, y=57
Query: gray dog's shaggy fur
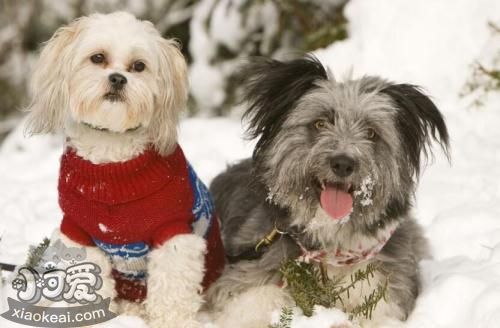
x=384, y=129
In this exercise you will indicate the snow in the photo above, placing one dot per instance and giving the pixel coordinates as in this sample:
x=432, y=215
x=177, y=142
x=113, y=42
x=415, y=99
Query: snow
x=225, y=24
x=365, y=191
x=103, y=228
x=217, y=30
x=428, y=42
x=207, y=82
x=322, y=318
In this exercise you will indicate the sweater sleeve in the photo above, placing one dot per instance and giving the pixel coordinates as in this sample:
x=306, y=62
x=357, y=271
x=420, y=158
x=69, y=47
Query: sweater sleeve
x=169, y=230
x=70, y=229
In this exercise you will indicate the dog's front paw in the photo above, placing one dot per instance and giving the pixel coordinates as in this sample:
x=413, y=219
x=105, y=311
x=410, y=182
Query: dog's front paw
x=183, y=257
x=175, y=273
x=188, y=245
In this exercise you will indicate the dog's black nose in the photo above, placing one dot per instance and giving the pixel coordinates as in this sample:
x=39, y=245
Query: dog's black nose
x=343, y=165
x=117, y=80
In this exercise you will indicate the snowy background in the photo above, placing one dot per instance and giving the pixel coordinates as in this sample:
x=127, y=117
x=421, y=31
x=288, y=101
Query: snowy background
x=432, y=43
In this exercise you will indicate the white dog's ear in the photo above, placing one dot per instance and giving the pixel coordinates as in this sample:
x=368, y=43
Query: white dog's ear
x=172, y=97
x=49, y=84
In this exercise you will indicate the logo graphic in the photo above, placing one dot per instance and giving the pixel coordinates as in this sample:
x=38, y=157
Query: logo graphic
x=62, y=275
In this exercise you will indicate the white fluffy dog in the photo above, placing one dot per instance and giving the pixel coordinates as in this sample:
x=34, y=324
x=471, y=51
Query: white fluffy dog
x=114, y=87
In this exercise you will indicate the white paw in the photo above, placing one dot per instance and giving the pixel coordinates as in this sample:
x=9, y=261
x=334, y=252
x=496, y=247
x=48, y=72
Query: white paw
x=182, y=257
x=128, y=308
x=254, y=307
x=175, y=272
x=189, y=245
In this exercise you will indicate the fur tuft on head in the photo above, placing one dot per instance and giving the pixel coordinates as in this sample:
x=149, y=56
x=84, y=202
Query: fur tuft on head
x=419, y=123
x=272, y=90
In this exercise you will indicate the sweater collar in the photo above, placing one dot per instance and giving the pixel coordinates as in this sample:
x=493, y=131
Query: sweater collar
x=115, y=183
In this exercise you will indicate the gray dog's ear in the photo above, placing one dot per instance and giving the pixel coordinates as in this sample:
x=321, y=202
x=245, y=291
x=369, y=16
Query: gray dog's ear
x=272, y=88
x=419, y=123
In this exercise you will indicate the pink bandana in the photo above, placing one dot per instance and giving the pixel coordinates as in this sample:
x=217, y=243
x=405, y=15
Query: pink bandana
x=347, y=257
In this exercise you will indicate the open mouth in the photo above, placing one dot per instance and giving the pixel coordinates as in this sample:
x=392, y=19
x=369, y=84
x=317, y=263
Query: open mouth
x=113, y=97
x=336, y=199
x=99, y=128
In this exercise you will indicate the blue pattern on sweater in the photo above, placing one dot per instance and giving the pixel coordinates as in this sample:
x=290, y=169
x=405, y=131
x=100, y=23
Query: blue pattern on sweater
x=130, y=259
x=132, y=250
x=203, y=205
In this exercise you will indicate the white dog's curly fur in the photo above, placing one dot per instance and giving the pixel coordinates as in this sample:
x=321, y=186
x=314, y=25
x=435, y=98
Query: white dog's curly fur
x=73, y=93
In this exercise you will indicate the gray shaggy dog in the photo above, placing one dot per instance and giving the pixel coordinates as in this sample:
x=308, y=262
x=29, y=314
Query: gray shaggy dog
x=334, y=171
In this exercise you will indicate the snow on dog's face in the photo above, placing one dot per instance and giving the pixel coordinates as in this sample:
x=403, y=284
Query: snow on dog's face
x=111, y=73
x=351, y=149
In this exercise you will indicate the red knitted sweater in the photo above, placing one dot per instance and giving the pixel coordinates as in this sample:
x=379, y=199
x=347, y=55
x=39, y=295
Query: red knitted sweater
x=144, y=201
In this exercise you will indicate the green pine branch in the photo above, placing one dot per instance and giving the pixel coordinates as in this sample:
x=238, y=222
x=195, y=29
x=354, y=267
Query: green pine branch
x=35, y=253
x=484, y=78
x=286, y=317
x=370, y=303
x=308, y=286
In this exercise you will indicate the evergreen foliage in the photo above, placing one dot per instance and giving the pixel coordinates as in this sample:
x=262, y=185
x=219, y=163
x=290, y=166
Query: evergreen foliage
x=485, y=78
x=286, y=317
x=35, y=253
x=271, y=28
x=309, y=285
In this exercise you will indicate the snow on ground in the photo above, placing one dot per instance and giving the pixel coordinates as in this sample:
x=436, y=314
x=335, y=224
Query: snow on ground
x=426, y=42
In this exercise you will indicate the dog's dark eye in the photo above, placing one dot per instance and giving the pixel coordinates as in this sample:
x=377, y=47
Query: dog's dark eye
x=320, y=124
x=97, y=58
x=139, y=66
x=372, y=135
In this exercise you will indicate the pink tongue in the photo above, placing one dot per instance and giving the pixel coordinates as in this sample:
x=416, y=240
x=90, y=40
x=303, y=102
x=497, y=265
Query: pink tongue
x=337, y=203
